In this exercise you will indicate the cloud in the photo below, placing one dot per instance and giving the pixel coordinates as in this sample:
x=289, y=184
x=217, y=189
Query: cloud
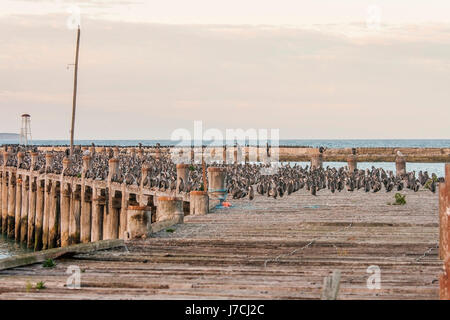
x=142, y=80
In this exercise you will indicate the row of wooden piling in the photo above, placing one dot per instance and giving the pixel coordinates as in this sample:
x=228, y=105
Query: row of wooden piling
x=47, y=210
x=444, y=234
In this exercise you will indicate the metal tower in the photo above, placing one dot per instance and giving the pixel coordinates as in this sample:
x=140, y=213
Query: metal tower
x=25, y=130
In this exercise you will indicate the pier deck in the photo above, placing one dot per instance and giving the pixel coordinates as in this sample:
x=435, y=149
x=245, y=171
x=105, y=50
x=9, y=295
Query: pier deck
x=274, y=249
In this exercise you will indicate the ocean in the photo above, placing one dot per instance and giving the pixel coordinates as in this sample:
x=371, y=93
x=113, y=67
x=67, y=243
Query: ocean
x=329, y=143
x=9, y=248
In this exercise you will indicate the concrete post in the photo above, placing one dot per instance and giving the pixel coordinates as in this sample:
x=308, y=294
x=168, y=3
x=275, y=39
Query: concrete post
x=352, y=163
x=53, y=218
x=86, y=164
x=199, y=203
x=316, y=160
x=65, y=165
x=216, y=182
x=20, y=156
x=31, y=213
x=139, y=221
x=400, y=166
x=34, y=158
x=116, y=152
x=48, y=161
x=182, y=174
x=11, y=204
x=65, y=214
x=140, y=153
x=169, y=208
x=39, y=222
x=18, y=208
x=25, y=210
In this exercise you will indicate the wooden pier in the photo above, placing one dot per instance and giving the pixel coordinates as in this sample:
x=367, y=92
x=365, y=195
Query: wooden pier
x=47, y=210
x=264, y=249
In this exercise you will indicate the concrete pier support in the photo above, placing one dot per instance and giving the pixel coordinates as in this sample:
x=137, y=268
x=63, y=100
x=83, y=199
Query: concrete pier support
x=216, y=182
x=316, y=160
x=169, y=208
x=139, y=220
x=140, y=153
x=11, y=205
x=199, y=203
x=25, y=210
x=65, y=214
x=39, y=222
x=18, y=208
x=182, y=174
x=400, y=166
x=116, y=152
x=352, y=163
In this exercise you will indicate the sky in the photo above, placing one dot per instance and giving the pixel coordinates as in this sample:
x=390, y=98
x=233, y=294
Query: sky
x=323, y=69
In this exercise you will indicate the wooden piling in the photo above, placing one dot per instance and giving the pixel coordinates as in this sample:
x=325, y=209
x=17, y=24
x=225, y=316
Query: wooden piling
x=443, y=228
x=11, y=205
x=113, y=217
x=25, y=210
x=97, y=216
x=18, y=208
x=123, y=221
x=47, y=205
x=4, y=206
x=74, y=216
x=31, y=213
x=65, y=214
x=444, y=234
x=53, y=218
x=85, y=219
x=1, y=184
x=40, y=207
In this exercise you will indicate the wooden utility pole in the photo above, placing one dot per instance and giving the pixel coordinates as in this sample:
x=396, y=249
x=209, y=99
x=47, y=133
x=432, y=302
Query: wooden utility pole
x=75, y=80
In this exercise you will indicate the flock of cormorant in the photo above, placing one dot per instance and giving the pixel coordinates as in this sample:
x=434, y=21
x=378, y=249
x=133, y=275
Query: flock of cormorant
x=242, y=180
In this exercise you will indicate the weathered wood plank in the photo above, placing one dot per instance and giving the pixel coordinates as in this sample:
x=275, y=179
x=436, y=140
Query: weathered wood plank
x=41, y=256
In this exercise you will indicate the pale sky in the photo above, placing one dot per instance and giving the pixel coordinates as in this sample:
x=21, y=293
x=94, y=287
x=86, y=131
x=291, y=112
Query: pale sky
x=314, y=69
